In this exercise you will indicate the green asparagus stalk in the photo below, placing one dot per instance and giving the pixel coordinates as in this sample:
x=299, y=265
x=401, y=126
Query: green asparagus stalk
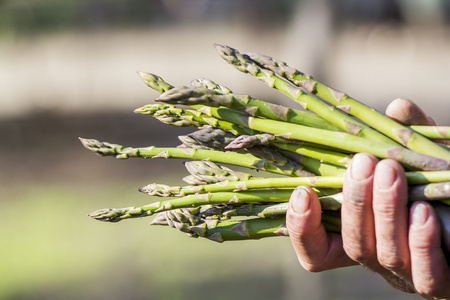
x=324, y=155
x=221, y=231
x=300, y=94
x=118, y=214
x=257, y=196
x=204, y=172
x=172, y=115
x=247, y=210
x=316, y=166
x=249, y=141
x=272, y=155
x=317, y=160
x=256, y=228
x=413, y=178
x=433, y=132
x=233, y=158
x=221, y=173
x=158, y=84
x=380, y=122
x=214, y=98
x=217, y=139
x=238, y=128
x=430, y=192
x=256, y=107
x=339, y=140
x=181, y=117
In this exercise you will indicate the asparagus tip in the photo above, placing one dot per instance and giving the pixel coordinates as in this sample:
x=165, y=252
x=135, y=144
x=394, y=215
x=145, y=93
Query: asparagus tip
x=223, y=49
x=105, y=215
x=101, y=148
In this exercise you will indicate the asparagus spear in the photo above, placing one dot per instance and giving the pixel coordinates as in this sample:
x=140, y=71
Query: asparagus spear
x=244, y=64
x=433, y=132
x=413, y=178
x=221, y=231
x=221, y=173
x=172, y=115
x=181, y=117
x=204, y=172
x=380, y=122
x=233, y=158
x=339, y=140
x=430, y=192
x=332, y=157
x=247, y=210
x=158, y=84
x=316, y=166
x=204, y=96
x=324, y=155
x=118, y=214
x=330, y=202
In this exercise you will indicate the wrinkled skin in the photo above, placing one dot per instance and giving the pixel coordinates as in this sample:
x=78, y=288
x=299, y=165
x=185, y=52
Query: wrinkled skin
x=379, y=231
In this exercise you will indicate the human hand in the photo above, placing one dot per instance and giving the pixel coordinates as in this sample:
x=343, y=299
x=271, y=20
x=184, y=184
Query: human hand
x=378, y=230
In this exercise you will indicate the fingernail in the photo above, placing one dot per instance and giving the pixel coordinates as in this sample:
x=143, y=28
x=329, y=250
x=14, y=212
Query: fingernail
x=361, y=166
x=301, y=201
x=419, y=214
x=385, y=175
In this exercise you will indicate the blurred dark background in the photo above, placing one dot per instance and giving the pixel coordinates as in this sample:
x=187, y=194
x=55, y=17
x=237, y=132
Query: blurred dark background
x=68, y=69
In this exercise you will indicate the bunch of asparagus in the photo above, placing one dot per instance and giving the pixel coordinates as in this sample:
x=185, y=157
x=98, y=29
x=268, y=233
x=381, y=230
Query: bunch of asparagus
x=310, y=147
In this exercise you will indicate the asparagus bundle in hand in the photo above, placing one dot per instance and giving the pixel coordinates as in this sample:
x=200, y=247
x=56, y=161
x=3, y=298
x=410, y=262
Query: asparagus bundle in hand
x=312, y=147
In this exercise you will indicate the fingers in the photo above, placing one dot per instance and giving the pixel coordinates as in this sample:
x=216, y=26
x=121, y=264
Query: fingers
x=316, y=249
x=406, y=112
x=374, y=218
x=358, y=229
x=429, y=267
x=390, y=197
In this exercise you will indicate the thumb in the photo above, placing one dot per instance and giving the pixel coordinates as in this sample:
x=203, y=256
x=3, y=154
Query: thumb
x=406, y=112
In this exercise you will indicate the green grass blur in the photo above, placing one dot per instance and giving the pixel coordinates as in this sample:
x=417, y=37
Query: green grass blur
x=52, y=250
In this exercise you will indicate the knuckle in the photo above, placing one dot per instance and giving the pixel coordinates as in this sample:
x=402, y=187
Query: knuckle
x=360, y=254
x=311, y=267
x=393, y=264
x=393, y=257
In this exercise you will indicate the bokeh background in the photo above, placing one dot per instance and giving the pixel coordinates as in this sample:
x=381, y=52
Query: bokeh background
x=68, y=69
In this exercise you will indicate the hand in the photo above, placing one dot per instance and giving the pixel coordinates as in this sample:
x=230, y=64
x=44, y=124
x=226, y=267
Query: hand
x=378, y=230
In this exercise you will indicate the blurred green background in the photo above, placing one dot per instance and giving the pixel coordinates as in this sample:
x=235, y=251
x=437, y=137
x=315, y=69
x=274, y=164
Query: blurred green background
x=68, y=69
